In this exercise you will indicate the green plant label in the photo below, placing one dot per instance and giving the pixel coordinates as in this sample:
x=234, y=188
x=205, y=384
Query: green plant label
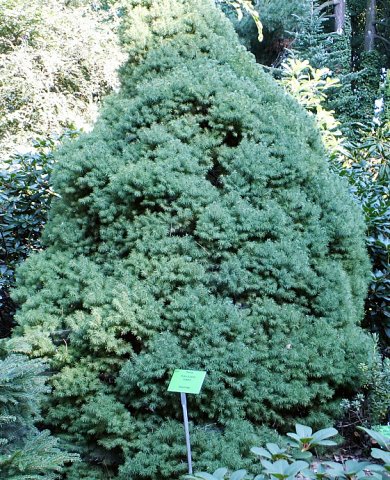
x=187, y=381
x=384, y=430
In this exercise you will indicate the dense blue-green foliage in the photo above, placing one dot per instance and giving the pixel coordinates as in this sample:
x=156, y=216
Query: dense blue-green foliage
x=198, y=226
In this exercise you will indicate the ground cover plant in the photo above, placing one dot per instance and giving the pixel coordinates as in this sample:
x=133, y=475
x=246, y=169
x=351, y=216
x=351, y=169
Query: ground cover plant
x=296, y=460
x=197, y=226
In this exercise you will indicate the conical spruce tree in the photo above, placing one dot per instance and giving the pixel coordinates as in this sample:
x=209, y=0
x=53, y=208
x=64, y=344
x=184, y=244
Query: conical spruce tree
x=198, y=227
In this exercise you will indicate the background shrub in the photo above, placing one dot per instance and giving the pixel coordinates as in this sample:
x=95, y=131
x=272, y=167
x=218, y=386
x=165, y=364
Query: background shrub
x=367, y=169
x=364, y=162
x=56, y=63
x=25, y=196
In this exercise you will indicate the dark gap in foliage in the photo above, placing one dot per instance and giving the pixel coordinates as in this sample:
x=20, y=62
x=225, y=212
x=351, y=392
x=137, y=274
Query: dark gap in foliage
x=92, y=230
x=60, y=337
x=304, y=294
x=342, y=391
x=107, y=378
x=294, y=412
x=215, y=173
x=129, y=337
x=78, y=306
x=232, y=138
x=241, y=301
x=268, y=237
x=107, y=458
x=131, y=137
x=334, y=249
x=82, y=192
x=204, y=124
x=7, y=313
x=180, y=232
x=183, y=230
x=124, y=252
x=198, y=108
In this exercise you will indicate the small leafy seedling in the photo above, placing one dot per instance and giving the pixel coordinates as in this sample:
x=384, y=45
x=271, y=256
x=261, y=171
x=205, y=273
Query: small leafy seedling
x=219, y=474
x=305, y=439
x=353, y=470
x=282, y=470
x=317, y=473
x=272, y=452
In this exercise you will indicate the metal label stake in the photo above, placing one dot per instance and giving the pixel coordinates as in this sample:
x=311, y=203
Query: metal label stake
x=183, y=398
x=187, y=381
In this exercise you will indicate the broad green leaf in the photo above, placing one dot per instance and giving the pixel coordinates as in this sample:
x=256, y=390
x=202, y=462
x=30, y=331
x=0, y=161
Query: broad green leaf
x=307, y=473
x=274, y=448
x=262, y=452
x=374, y=467
x=335, y=466
x=354, y=466
x=220, y=473
x=303, y=431
x=372, y=476
x=380, y=454
x=324, y=434
x=378, y=437
x=294, y=436
x=266, y=464
x=204, y=476
x=329, y=443
x=296, y=467
x=279, y=467
x=238, y=475
x=302, y=455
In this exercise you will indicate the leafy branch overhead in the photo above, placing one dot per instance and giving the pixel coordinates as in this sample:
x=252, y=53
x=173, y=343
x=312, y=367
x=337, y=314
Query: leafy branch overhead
x=241, y=6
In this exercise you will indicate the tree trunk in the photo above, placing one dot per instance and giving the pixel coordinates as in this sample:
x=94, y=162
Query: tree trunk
x=339, y=12
x=369, y=33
